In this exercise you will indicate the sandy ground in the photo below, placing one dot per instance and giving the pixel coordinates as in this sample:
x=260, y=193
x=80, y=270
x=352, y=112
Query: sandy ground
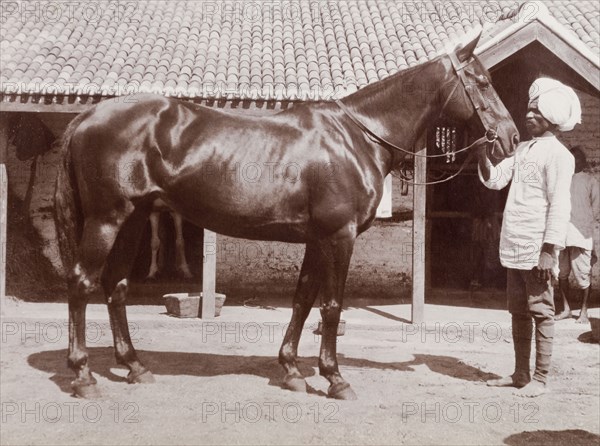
x=218, y=382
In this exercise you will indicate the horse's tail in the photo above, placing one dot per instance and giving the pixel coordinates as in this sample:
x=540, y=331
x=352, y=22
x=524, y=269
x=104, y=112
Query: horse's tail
x=67, y=207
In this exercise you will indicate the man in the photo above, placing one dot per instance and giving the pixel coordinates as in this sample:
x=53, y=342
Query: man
x=579, y=255
x=534, y=226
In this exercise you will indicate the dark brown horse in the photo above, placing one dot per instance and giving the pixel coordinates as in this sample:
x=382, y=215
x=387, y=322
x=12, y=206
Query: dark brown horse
x=312, y=174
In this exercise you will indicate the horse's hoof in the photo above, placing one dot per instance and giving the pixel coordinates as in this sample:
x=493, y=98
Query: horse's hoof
x=146, y=377
x=294, y=384
x=86, y=391
x=341, y=391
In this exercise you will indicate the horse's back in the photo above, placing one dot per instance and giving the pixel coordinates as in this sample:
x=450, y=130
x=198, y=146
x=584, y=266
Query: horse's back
x=277, y=176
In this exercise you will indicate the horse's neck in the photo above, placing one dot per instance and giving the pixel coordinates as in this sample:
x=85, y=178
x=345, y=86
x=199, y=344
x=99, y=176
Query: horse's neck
x=400, y=108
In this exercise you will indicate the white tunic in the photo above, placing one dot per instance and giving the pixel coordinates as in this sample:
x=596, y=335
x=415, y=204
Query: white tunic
x=585, y=210
x=538, y=205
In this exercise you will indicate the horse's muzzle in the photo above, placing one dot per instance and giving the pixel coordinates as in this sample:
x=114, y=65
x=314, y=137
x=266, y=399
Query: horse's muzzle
x=491, y=135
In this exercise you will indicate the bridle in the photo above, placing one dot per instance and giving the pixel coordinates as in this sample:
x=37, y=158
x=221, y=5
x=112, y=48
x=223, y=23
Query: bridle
x=490, y=136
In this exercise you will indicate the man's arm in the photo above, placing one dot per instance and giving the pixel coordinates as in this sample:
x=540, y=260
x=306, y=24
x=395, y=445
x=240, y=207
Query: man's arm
x=595, y=202
x=595, y=199
x=559, y=173
x=494, y=176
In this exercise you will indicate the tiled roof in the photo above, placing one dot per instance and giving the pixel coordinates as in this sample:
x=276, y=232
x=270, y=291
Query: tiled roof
x=248, y=49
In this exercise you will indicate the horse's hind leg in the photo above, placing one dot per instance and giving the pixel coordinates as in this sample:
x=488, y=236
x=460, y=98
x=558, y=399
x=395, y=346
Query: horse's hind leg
x=115, y=285
x=96, y=242
x=306, y=292
x=335, y=254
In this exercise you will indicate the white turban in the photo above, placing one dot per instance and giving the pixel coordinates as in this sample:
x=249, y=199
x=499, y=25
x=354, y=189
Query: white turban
x=556, y=102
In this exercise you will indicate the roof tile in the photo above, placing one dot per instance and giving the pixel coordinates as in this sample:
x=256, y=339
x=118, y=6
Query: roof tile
x=175, y=48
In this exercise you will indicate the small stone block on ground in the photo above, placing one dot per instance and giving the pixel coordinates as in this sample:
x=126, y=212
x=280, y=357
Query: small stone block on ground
x=187, y=305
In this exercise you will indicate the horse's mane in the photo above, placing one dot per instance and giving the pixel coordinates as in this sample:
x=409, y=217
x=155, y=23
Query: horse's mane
x=372, y=93
x=373, y=88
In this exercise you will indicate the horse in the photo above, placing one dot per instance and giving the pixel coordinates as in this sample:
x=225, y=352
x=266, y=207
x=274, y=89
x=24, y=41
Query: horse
x=181, y=263
x=309, y=174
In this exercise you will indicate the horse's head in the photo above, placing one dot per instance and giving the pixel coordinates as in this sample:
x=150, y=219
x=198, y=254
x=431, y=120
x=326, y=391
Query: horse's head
x=468, y=95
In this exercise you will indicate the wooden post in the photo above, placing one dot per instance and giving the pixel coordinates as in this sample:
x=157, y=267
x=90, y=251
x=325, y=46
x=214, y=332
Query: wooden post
x=209, y=275
x=427, y=246
x=419, y=229
x=384, y=210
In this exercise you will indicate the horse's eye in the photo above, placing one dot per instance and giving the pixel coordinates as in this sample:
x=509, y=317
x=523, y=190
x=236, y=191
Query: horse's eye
x=483, y=81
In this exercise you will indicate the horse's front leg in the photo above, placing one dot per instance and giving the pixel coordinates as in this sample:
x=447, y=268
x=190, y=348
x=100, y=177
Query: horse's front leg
x=306, y=292
x=335, y=256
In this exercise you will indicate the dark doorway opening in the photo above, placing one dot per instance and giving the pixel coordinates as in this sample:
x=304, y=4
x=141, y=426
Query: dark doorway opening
x=464, y=217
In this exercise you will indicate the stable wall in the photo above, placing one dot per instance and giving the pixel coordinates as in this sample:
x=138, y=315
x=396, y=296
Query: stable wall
x=381, y=262
x=382, y=257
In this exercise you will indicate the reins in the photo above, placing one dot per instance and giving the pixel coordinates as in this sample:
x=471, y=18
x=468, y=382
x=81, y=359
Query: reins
x=458, y=172
x=385, y=141
x=489, y=137
x=482, y=140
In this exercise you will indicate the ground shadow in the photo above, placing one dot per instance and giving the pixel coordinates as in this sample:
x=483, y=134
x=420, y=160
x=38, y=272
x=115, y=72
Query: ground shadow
x=205, y=364
x=387, y=315
x=571, y=437
x=591, y=337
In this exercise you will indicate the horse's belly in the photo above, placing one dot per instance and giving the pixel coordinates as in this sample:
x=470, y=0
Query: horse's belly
x=251, y=210
x=242, y=226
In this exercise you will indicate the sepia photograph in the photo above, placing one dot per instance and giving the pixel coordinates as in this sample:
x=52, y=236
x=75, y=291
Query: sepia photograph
x=300, y=222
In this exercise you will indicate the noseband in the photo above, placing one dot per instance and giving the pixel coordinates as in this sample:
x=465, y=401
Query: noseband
x=490, y=136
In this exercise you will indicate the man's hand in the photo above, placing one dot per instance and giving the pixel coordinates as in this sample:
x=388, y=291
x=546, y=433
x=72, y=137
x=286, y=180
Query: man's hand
x=481, y=151
x=543, y=272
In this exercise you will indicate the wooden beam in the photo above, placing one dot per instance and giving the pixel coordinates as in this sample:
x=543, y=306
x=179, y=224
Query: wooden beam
x=455, y=214
x=41, y=107
x=497, y=54
x=19, y=103
x=209, y=275
x=419, y=233
x=571, y=58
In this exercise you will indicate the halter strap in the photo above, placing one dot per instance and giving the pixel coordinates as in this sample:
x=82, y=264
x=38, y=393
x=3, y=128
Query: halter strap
x=427, y=183
x=490, y=134
x=458, y=172
x=366, y=129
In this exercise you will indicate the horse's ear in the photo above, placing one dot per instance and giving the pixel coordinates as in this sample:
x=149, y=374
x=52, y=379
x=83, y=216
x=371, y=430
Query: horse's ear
x=464, y=52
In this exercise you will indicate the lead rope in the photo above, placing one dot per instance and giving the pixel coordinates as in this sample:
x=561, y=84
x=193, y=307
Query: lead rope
x=487, y=138
x=386, y=142
x=462, y=167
